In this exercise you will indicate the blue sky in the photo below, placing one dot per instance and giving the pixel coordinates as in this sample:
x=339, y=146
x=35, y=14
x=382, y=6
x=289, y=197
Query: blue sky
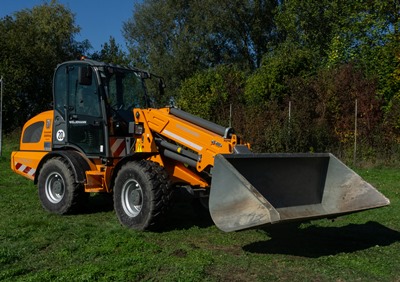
x=98, y=19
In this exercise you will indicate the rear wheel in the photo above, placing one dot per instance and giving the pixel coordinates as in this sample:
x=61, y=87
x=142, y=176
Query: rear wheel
x=142, y=195
x=58, y=191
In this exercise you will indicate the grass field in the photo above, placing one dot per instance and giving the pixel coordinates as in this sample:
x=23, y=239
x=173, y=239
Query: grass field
x=38, y=246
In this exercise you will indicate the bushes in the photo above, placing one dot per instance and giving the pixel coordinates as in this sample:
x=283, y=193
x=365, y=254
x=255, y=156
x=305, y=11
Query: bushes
x=210, y=94
x=313, y=114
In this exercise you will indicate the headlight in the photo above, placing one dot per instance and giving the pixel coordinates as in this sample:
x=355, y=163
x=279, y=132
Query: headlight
x=139, y=129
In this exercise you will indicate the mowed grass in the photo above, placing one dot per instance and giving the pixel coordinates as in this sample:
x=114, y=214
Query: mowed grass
x=93, y=246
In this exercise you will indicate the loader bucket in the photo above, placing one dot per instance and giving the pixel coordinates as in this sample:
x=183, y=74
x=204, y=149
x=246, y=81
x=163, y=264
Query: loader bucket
x=249, y=190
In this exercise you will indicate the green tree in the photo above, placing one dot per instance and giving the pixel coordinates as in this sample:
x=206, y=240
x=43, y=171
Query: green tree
x=213, y=93
x=339, y=32
x=270, y=81
x=111, y=53
x=177, y=38
x=368, y=36
x=32, y=43
x=309, y=23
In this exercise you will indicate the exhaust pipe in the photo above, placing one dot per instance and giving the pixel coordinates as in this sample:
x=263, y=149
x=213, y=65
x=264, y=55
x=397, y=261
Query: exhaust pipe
x=249, y=190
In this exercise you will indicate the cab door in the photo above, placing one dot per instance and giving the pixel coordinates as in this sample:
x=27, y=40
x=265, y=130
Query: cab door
x=78, y=113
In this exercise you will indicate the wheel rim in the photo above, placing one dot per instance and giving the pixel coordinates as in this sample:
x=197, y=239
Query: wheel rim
x=132, y=198
x=55, y=188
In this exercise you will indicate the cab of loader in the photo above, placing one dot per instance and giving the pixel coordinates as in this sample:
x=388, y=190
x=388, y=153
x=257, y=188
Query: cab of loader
x=94, y=101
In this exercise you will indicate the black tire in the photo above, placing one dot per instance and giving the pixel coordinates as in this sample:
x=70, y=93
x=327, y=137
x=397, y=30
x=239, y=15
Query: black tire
x=142, y=195
x=58, y=191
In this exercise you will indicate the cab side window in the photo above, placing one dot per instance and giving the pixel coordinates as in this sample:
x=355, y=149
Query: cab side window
x=69, y=93
x=60, y=90
x=87, y=99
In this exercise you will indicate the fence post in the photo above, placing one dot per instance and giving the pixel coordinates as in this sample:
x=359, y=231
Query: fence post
x=355, y=134
x=1, y=115
x=230, y=115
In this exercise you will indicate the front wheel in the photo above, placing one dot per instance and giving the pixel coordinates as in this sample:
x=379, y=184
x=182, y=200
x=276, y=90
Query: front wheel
x=142, y=194
x=58, y=191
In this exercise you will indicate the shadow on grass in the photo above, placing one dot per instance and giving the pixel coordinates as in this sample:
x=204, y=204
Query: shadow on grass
x=185, y=215
x=185, y=212
x=99, y=202
x=315, y=241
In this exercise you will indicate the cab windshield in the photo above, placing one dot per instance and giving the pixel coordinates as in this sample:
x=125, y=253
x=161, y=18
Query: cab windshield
x=126, y=89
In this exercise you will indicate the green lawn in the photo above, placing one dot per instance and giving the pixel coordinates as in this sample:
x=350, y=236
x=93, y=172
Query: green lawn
x=38, y=246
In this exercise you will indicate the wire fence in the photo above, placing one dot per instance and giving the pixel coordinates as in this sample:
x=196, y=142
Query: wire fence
x=1, y=116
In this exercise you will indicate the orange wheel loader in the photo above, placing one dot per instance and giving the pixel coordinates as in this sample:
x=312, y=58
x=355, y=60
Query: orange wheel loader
x=102, y=135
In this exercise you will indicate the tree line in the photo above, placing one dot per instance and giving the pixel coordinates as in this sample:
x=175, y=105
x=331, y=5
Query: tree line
x=259, y=57
x=248, y=63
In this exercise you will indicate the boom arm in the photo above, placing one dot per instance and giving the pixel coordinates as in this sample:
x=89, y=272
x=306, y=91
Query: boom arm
x=172, y=132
